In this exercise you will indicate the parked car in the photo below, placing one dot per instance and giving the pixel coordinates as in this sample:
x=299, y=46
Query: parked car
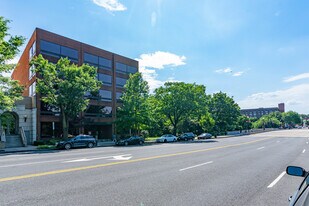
x=301, y=195
x=131, y=141
x=186, y=136
x=78, y=141
x=167, y=138
x=204, y=136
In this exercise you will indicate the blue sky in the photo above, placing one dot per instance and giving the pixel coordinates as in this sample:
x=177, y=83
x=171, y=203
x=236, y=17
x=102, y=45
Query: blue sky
x=256, y=51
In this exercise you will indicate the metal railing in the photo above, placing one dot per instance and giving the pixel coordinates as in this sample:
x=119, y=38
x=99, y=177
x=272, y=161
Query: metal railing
x=23, y=136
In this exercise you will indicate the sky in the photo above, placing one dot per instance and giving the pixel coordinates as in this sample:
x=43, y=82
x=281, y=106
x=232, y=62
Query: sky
x=256, y=51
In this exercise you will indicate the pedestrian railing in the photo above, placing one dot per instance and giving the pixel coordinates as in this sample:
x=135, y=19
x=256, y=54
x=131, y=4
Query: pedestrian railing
x=23, y=136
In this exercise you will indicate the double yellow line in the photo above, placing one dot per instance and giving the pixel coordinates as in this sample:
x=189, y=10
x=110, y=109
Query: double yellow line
x=5, y=179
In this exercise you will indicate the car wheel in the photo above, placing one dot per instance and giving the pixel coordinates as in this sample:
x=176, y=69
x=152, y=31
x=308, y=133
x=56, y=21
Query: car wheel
x=67, y=146
x=141, y=142
x=126, y=143
x=165, y=141
x=90, y=145
x=174, y=140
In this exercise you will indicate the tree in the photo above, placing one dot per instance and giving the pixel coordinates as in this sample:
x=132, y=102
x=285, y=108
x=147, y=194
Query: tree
x=64, y=86
x=243, y=123
x=133, y=114
x=291, y=118
x=178, y=100
x=10, y=90
x=224, y=111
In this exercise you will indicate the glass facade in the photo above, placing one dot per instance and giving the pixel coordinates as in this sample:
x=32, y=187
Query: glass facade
x=98, y=111
x=32, y=89
x=56, y=50
x=105, y=95
x=125, y=69
x=105, y=79
x=118, y=96
x=31, y=72
x=32, y=51
x=120, y=82
x=97, y=61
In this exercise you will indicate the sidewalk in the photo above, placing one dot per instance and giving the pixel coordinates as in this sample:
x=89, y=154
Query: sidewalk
x=29, y=148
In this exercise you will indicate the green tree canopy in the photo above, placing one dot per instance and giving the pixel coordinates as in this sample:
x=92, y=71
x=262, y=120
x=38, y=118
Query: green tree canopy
x=178, y=100
x=10, y=90
x=64, y=85
x=291, y=118
x=133, y=114
x=224, y=111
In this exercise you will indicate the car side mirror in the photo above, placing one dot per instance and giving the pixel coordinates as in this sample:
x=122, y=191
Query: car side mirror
x=295, y=171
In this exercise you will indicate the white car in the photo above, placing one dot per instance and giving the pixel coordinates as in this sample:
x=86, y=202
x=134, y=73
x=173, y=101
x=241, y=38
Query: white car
x=167, y=138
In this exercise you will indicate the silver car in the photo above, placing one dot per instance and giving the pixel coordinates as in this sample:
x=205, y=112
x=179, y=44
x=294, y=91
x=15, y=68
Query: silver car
x=167, y=138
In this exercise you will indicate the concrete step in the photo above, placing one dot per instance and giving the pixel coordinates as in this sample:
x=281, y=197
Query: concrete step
x=13, y=141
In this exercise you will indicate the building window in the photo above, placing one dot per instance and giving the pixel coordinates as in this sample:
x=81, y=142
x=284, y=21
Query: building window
x=131, y=70
x=68, y=52
x=123, y=68
x=106, y=95
x=31, y=72
x=118, y=96
x=58, y=51
x=97, y=61
x=105, y=79
x=32, y=89
x=32, y=50
x=98, y=111
x=91, y=59
x=105, y=63
x=120, y=82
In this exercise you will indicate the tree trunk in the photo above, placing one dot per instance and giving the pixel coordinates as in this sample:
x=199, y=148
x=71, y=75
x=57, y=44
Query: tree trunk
x=65, y=125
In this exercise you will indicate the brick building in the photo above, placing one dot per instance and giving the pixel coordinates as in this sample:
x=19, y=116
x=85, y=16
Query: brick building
x=113, y=71
x=259, y=112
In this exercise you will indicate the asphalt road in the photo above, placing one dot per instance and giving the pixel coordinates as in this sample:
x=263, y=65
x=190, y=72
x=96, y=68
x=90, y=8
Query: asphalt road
x=231, y=171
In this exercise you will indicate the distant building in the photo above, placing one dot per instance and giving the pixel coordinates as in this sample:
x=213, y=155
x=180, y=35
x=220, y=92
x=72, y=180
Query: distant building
x=99, y=117
x=259, y=112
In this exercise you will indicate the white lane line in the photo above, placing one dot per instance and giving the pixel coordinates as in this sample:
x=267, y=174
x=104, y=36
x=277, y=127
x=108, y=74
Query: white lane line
x=260, y=148
x=276, y=180
x=278, y=141
x=304, y=150
x=196, y=166
x=48, y=161
x=306, y=142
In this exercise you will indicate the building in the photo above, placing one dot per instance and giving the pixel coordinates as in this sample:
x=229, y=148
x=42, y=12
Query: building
x=259, y=112
x=113, y=71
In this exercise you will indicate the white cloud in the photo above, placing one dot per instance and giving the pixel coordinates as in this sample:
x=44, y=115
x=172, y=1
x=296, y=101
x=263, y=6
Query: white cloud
x=237, y=74
x=295, y=98
x=225, y=70
x=111, y=5
x=148, y=64
x=297, y=77
x=230, y=71
x=159, y=60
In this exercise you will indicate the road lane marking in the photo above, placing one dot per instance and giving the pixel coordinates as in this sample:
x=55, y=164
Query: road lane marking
x=278, y=141
x=276, y=180
x=306, y=142
x=304, y=150
x=5, y=179
x=196, y=166
x=48, y=161
x=260, y=148
x=114, y=157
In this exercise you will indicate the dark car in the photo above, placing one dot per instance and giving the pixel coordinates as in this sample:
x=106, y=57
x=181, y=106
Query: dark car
x=204, y=136
x=131, y=140
x=186, y=136
x=78, y=141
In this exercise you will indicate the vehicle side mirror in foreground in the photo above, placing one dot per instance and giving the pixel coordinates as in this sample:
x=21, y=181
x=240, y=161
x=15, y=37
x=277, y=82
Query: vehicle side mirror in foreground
x=295, y=171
